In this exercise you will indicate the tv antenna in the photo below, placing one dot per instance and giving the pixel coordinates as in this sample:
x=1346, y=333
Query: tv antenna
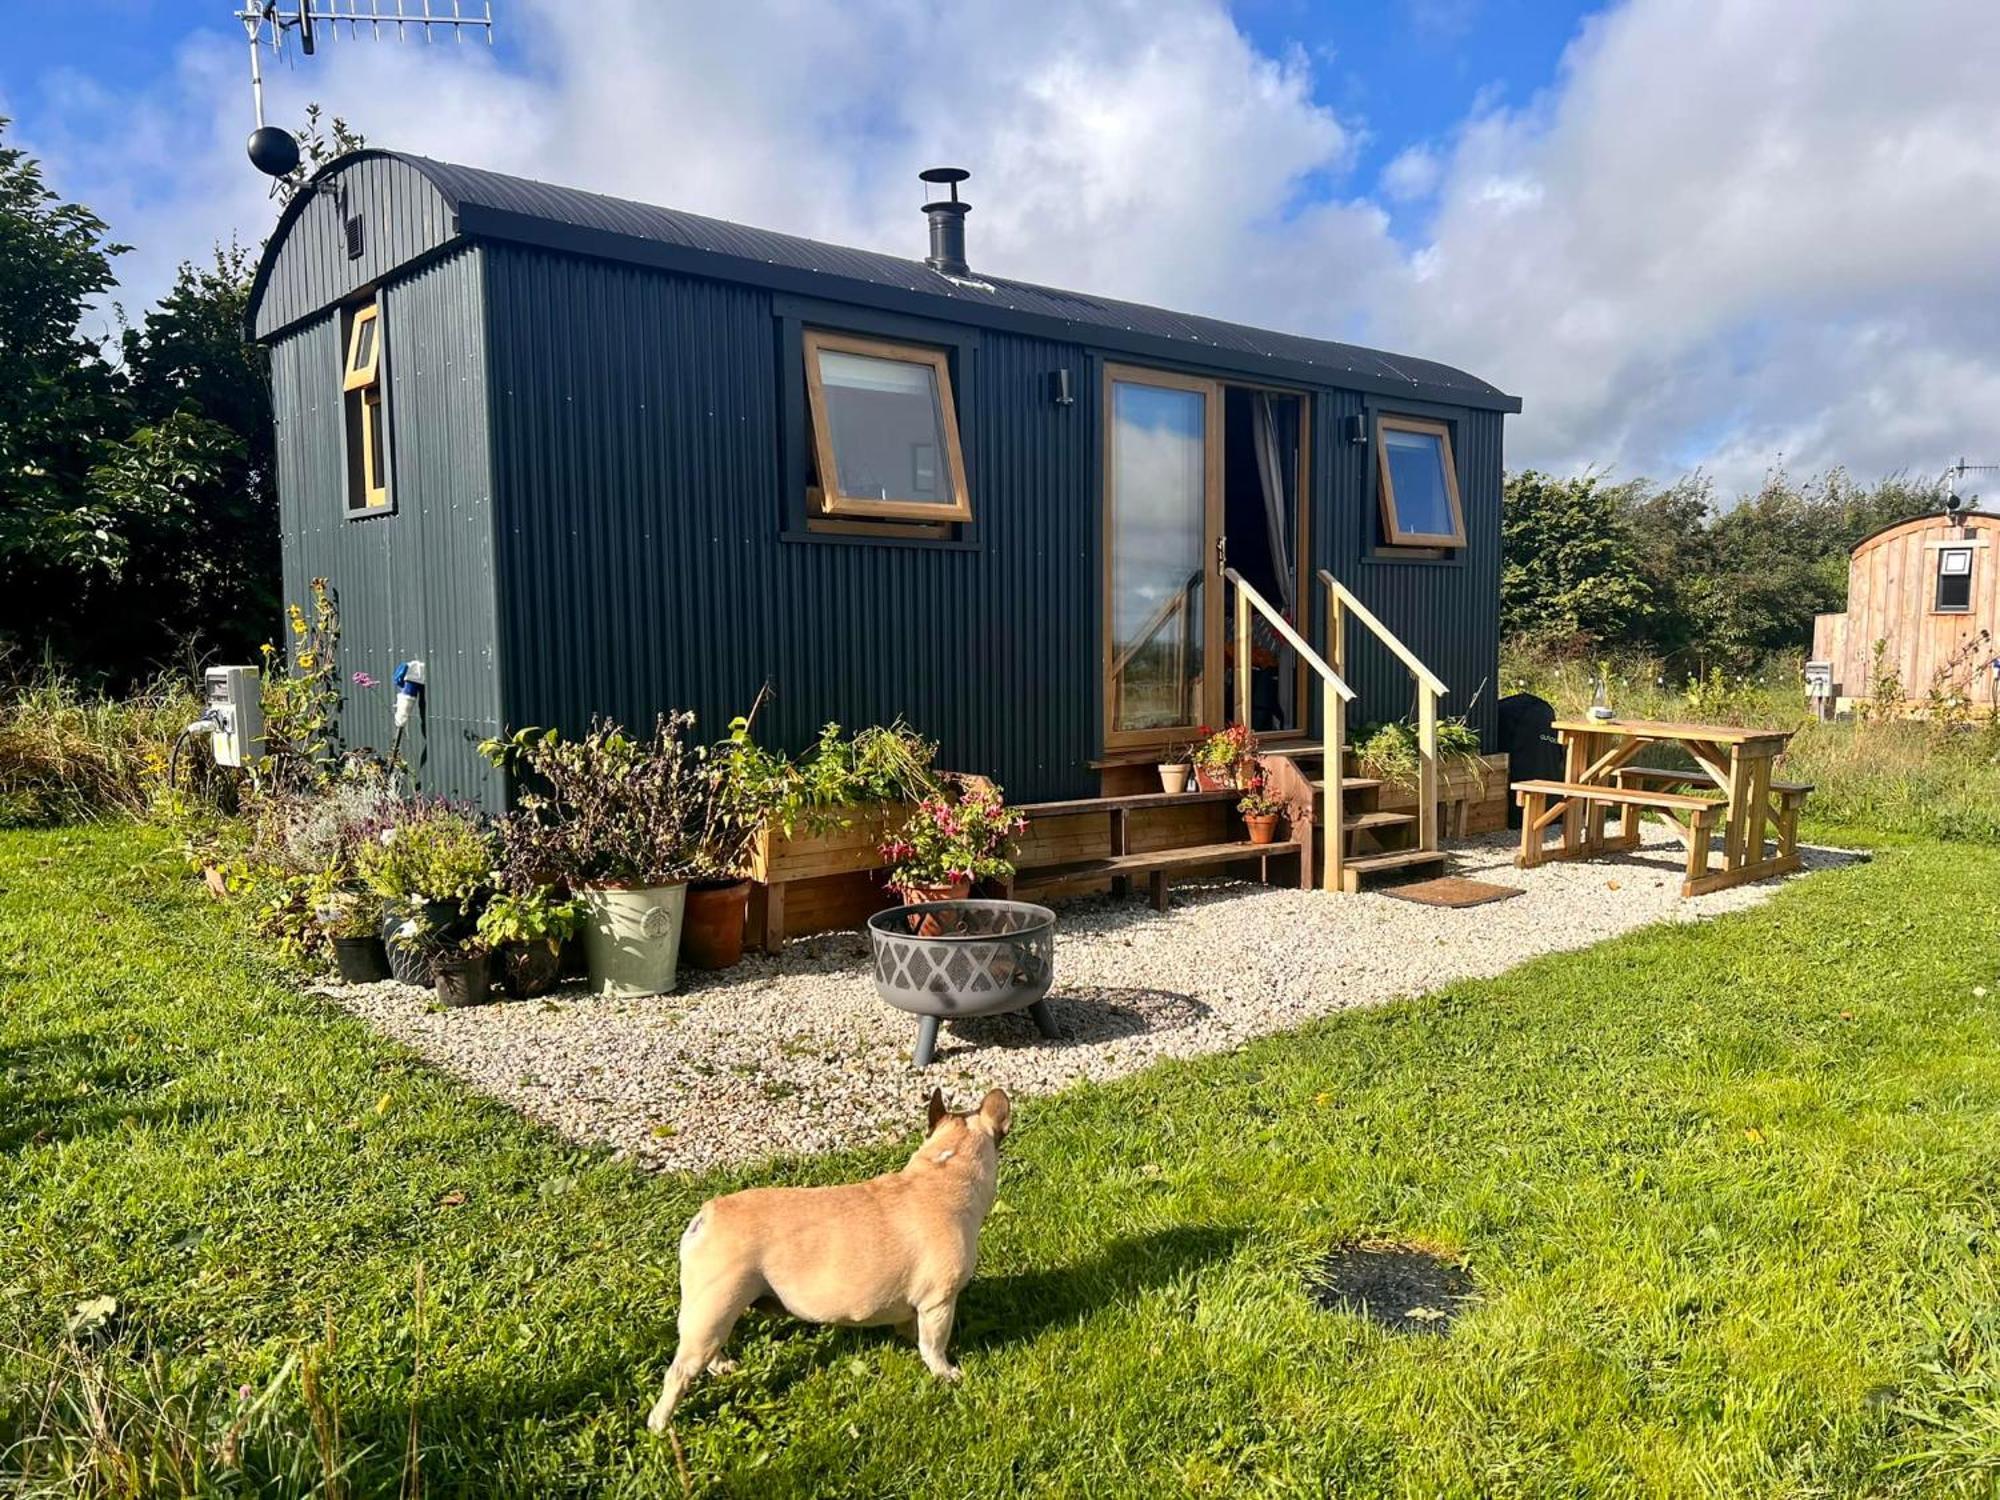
x=273, y=150
x=1953, y=502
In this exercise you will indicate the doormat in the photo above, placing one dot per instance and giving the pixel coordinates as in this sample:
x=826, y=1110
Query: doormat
x=1402, y=1287
x=1451, y=890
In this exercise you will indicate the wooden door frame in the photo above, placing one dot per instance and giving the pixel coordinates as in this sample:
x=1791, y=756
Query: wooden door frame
x=1302, y=563
x=1210, y=708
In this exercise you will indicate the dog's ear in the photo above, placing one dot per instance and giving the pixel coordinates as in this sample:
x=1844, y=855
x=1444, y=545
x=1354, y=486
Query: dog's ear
x=936, y=1110
x=997, y=1112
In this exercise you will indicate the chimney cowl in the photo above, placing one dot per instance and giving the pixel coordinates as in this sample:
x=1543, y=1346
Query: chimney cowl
x=946, y=213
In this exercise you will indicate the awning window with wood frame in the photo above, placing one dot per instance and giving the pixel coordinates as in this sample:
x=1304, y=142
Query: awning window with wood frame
x=1417, y=477
x=361, y=398
x=884, y=432
x=1954, y=582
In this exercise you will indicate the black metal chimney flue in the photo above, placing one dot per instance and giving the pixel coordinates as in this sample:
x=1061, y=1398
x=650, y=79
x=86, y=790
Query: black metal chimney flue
x=947, y=216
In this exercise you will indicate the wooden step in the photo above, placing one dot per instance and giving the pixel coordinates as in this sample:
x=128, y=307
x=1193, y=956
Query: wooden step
x=1157, y=864
x=1077, y=807
x=1151, y=860
x=1348, y=784
x=1374, y=821
x=1408, y=860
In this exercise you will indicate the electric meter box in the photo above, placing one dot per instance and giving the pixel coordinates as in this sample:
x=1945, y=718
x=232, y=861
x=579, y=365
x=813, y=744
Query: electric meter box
x=233, y=703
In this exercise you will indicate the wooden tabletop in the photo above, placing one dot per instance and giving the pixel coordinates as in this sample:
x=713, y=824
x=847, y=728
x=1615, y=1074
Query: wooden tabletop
x=1653, y=729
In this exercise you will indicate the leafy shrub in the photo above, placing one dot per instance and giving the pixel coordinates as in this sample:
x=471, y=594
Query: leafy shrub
x=433, y=852
x=1390, y=752
x=609, y=809
x=879, y=764
x=957, y=839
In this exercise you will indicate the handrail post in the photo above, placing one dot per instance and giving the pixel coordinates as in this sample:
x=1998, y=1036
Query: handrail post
x=1427, y=752
x=1242, y=657
x=1333, y=726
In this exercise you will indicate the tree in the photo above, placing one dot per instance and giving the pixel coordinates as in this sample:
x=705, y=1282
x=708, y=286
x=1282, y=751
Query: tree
x=58, y=395
x=1569, y=571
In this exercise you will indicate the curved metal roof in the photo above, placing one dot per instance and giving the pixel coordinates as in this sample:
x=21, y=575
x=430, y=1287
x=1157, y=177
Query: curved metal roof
x=494, y=206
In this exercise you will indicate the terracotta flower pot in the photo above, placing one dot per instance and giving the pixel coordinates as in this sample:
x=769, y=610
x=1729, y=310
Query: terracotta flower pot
x=1215, y=781
x=712, y=930
x=1263, y=827
x=914, y=895
x=1174, y=778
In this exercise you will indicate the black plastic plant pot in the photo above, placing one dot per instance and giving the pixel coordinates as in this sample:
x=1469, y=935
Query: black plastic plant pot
x=416, y=962
x=944, y=959
x=529, y=969
x=361, y=960
x=462, y=981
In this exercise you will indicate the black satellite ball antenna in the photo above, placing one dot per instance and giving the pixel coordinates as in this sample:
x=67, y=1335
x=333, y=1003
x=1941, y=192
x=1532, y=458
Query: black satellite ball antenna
x=274, y=151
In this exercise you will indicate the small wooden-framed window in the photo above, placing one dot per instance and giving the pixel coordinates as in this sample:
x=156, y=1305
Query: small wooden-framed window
x=361, y=395
x=1954, y=582
x=884, y=430
x=1418, y=480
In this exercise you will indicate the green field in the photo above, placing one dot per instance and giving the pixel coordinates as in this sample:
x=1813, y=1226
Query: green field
x=1727, y=1191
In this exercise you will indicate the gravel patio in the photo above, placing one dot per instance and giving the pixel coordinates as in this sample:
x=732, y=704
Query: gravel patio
x=794, y=1054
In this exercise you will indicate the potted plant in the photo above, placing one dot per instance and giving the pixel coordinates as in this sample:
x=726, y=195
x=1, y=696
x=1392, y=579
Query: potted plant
x=352, y=924
x=431, y=868
x=951, y=842
x=618, y=818
x=1219, y=756
x=524, y=931
x=1175, y=770
x=463, y=972
x=740, y=791
x=1260, y=810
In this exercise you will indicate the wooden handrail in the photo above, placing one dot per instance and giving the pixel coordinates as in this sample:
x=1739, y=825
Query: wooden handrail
x=1341, y=601
x=1387, y=636
x=1290, y=636
x=1333, y=717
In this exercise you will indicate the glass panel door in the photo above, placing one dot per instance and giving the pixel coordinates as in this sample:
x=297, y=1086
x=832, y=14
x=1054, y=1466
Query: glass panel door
x=1162, y=502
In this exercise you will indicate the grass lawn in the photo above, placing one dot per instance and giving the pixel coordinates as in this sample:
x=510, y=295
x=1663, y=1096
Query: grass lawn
x=1728, y=1193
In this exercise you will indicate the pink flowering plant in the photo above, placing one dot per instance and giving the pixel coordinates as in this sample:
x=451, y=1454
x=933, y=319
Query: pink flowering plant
x=1258, y=800
x=952, y=839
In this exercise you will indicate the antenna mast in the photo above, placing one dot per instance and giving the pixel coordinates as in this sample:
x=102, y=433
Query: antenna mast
x=273, y=25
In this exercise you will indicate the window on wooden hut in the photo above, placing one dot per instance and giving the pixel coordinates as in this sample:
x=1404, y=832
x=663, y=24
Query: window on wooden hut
x=1954, y=581
x=361, y=394
x=1418, y=483
x=885, y=431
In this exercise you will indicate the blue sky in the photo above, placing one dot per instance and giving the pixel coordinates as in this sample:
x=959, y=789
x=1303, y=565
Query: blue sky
x=1689, y=233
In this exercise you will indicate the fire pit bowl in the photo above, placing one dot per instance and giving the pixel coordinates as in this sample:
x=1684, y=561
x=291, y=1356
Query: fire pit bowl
x=943, y=959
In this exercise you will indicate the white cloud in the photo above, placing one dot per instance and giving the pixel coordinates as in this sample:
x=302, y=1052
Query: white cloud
x=1722, y=233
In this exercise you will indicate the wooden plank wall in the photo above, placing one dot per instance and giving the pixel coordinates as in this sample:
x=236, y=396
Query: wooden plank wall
x=1891, y=586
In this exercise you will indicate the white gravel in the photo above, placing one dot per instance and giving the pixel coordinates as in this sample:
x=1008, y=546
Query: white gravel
x=795, y=1054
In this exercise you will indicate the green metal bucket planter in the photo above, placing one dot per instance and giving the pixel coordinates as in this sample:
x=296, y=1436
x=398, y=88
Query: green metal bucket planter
x=633, y=942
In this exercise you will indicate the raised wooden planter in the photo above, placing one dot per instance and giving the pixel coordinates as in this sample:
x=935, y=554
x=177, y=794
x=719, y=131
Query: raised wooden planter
x=815, y=882
x=1472, y=804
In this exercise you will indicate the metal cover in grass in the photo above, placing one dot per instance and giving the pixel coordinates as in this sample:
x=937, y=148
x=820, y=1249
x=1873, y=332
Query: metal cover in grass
x=1403, y=1287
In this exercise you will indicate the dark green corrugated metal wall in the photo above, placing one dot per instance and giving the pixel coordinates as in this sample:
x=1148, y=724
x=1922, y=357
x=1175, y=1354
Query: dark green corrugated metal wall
x=418, y=583
x=637, y=452
x=644, y=562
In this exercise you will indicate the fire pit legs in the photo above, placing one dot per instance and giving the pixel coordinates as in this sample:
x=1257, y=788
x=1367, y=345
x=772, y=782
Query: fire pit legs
x=927, y=1030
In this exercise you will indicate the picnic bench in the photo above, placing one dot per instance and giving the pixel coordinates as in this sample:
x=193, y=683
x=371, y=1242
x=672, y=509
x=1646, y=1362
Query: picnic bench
x=1730, y=786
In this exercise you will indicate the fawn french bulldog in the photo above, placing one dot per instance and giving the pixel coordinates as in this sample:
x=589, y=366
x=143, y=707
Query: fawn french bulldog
x=896, y=1249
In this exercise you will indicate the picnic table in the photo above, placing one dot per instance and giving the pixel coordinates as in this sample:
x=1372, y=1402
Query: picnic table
x=1732, y=786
